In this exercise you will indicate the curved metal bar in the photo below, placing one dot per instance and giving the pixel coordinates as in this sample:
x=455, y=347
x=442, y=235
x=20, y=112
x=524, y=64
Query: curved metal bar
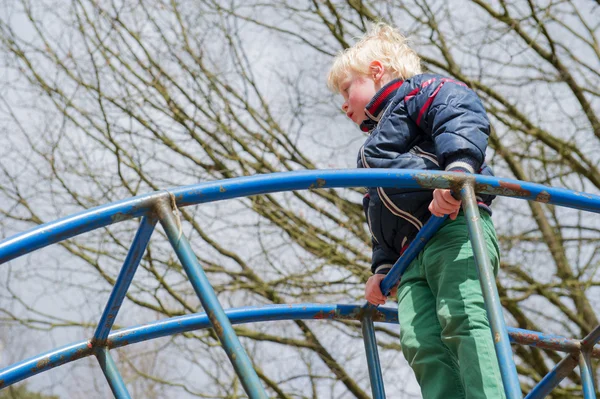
x=548, y=341
x=175, y=325
x=101, y=216
x=304, y=311
x=46, y=361
x=79, y=223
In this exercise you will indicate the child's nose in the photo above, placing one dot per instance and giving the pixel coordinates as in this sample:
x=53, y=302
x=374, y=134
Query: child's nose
x=345, y=106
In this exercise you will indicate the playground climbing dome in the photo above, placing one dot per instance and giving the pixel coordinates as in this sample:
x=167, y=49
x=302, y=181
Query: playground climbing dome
x=162, y=207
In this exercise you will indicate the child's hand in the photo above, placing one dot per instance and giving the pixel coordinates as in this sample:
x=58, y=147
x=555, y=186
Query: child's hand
x=444, y=204
x=373, y=293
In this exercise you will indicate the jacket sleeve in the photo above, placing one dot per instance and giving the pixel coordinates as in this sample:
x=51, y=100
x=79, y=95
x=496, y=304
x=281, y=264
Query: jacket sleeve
x=381, y=260
x=454, y=117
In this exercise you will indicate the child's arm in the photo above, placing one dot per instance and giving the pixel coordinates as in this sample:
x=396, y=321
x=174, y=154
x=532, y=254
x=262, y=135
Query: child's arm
x=373, y=292
x=444, y=204
x=382, y=262
x=454, y=117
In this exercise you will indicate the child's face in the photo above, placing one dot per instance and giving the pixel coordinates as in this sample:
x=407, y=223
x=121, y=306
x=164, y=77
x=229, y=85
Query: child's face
x=357, y=90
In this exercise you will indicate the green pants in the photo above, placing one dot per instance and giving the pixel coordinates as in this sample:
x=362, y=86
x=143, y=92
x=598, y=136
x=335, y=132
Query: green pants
x=445, y=333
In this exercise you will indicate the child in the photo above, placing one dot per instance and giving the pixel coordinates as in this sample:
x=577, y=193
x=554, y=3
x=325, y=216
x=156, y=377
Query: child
x=424, y=121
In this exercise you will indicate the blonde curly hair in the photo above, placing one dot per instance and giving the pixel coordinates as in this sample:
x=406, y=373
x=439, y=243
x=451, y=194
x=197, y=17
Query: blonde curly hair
x=382, y=43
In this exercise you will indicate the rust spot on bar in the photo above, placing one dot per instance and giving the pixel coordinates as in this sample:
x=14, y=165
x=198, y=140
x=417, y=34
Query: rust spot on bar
x=119, y=217
x=544, y=197
x=507, y=189
x=111, y=343
x=378, y=316
x=443, y=181
x=1, y=383
x=527, y=338
x=555, y=343
x=319, y=184
x=95, y=343
x=513, y=187
x=222, y=189
x=215, y=324
x=564, y=372
x=41, y=364
x=322, y=315
x=497, y=337
x=80, y=353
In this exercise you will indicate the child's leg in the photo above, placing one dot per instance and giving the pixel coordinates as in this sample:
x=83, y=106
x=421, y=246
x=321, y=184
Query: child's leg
x=434, y=365
x=452, y=274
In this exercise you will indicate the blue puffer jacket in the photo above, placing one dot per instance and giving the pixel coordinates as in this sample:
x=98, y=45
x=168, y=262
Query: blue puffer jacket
x=425, y=122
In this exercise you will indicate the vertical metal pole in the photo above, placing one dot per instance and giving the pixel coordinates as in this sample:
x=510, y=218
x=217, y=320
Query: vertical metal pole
x=493, y=306
x=138, y=247
x=108, y=366
x=429, y=229
x=587, y=378
x=219, y=321
x=370, y=340
x=553, y=378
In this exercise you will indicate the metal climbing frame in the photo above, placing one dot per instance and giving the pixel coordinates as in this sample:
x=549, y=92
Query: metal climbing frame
x=163, y=207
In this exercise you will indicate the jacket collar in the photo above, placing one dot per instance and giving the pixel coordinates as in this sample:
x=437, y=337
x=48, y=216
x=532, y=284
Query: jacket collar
x=374, y=109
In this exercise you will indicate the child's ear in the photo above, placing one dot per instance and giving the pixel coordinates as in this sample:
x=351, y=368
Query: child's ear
x=376, y=70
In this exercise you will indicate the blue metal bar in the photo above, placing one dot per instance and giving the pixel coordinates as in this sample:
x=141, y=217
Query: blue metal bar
x=508, y=370
x=71, y=226
x=372, y=352
x=304, y=311
x=587, y=377
x=110, y=370
x=220, y=323
x=591, y=339
x=553, y=378
x=102, y=216
x=176, y=325
x=79, y=223
x=548, y=341
x=429, y=229
x=138, y=247
x=392, y=178
x=46, y=361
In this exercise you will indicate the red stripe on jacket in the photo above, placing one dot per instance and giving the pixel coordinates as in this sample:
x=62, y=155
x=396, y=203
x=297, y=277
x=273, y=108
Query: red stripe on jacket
x=384, y=96
x=427, y=104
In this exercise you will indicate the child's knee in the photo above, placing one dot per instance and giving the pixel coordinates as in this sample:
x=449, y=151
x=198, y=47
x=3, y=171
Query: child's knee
x=419, y=348
x=463, y=326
